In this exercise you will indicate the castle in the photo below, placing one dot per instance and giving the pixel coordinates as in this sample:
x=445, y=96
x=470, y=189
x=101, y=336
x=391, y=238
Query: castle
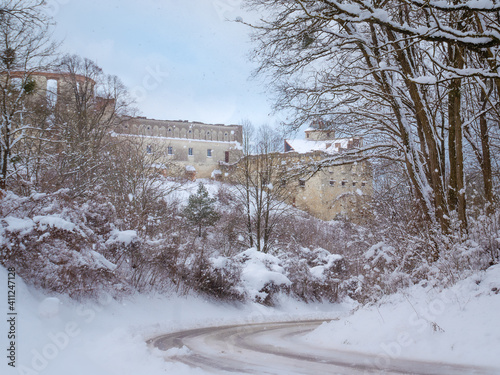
x=199, y=150
x=333, y=191
x=196, y=147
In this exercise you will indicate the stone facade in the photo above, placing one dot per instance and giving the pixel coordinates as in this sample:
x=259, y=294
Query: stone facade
x=192, y=146
x=52, y=84
x=330, y=193
x=335, y=191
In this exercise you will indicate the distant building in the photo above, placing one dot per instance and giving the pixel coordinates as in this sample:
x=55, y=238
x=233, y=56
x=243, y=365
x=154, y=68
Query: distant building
x=333, y=191
x=194, y=147
x=198, y=150
x=51, y=84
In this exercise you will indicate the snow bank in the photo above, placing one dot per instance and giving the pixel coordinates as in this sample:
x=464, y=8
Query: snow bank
x=458, y=325
x=125, y=237
x=57, y=336
x=260, y=270
x=49, y=307
x=53, y=221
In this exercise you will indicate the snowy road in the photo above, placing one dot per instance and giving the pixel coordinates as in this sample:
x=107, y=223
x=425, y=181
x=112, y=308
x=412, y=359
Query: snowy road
x=279, y=348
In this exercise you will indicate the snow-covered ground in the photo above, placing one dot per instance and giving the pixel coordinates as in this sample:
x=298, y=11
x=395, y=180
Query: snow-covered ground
x=458, y=325
x=58, y=336
x=55, y=335
x=182, y=192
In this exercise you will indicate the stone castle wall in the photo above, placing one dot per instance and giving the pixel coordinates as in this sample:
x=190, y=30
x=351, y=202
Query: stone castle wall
x=333, y=192
x=336, y=191
x=52, y=84
x=208, y=150
x=187, y=144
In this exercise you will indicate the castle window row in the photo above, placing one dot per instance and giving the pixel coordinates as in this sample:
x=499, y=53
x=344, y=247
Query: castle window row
x=333, y=183
x=345, y=183
x=181, y=132
x=190, y=152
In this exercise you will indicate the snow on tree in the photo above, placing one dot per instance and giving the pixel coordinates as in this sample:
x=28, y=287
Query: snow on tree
x=200, y=210
x=25, y=47
x=88, y=110
x=260, y=182
x=409, y=76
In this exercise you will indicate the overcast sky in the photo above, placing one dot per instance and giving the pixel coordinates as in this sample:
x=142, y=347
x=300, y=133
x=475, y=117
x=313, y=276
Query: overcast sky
x=182, y=59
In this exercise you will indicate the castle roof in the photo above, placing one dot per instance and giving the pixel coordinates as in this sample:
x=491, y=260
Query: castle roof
x=332, y=146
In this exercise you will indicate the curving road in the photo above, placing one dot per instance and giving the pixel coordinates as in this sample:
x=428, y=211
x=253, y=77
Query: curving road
x=276, y=348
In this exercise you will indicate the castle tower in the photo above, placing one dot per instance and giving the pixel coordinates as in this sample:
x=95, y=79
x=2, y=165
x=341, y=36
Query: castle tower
x=319, y=131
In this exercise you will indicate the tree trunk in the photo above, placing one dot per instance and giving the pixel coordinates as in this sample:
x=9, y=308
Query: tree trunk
x=452, y=154
x=456, y=192
x=486, y=156
x=419, y=178
x=5, y=158
x=433, y=160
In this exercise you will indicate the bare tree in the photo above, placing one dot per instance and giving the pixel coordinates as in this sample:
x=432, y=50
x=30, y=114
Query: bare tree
x=260, y=180
x=134, y=181
x=392, y=72
x=25, y=47
x=89, y=105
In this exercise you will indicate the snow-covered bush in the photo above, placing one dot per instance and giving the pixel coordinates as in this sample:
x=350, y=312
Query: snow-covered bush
x=400, y=248
x=315, y=275
x=47, y=238
x=485, y=231
x=83, y=246
x=262, y=276
x=220, y=277
x=382, y=272
x=209, y=274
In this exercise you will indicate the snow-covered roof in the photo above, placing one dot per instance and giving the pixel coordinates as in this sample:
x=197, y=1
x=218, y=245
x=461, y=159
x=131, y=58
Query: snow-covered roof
x=331, y=146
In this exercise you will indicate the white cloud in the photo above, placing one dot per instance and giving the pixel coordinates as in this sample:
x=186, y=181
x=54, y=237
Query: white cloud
x=200, y=59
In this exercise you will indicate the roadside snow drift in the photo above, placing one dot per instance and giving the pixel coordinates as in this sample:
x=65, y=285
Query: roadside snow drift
x=457, y=325
x=58, y=336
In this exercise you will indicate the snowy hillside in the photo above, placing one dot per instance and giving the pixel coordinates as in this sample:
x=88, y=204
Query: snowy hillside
x=58, y=336
x=99, y=323
x=455, y=325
